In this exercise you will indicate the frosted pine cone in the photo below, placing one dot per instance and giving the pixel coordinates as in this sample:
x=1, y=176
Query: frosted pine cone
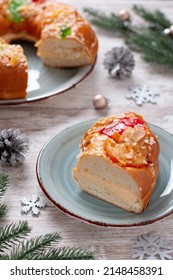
x=12, y=147
x=119, y=62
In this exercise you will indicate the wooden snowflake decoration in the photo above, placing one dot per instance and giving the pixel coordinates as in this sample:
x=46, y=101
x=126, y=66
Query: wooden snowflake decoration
x=142, y=94
x=34, y=204
x=151, y=247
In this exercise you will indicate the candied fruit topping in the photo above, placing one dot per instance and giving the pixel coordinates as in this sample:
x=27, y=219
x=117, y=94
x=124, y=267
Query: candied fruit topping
x=122, y=124
x=65, y=31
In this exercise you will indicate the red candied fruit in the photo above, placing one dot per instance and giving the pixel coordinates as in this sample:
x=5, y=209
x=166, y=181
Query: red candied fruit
x=121, y=125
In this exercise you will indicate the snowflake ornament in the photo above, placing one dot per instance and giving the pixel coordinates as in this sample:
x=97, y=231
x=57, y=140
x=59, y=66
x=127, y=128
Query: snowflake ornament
x=33, y=205
x=151, y=247
x=142, y=94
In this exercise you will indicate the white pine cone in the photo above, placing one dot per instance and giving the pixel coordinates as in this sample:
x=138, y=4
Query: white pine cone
x=119, y=62
x=12, y=147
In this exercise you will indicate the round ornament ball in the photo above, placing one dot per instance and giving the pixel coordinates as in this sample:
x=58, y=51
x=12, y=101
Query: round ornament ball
x=169, y=31
x=123, y=15
x=100, y=101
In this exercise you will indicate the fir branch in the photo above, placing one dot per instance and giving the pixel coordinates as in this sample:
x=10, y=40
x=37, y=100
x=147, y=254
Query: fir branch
x=63, y=253
x=12, y=234
x=4, y=257
x=155, y=48
x=12, y=237
x=34, y=245
x=110, y=22
x=3, y=210
x=156, y=18
x=4, y=181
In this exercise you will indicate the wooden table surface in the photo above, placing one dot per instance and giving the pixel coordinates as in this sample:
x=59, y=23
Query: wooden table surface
x=41, y=120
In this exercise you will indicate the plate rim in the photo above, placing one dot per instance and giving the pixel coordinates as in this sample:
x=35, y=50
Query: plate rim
x=80, y=218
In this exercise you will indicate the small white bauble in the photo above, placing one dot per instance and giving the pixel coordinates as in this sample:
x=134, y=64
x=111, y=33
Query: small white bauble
x=100, y=101
x=123, y=15
x=169, y=31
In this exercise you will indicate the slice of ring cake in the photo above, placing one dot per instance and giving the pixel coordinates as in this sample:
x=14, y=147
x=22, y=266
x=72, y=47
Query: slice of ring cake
x=119, y=161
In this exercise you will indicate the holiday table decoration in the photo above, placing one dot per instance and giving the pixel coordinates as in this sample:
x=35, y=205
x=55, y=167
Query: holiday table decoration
x=119, y=62
x=15, y=244
x=142, y=94
x=151, y=246
x=100, y=101
x=3, y=186
x=169, y=31
x=33, y=204
x=151, y=39
x=124, y=15
x=13, y=146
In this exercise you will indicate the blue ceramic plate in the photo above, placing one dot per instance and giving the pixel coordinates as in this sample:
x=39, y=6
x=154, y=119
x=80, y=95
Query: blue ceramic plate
x=54, y=168
x=44, y=81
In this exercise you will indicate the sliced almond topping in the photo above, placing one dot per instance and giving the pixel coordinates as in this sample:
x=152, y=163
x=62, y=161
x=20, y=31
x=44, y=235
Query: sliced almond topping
x=130, y=154
x=14, y=61
x=137, y=134
x=126, y=133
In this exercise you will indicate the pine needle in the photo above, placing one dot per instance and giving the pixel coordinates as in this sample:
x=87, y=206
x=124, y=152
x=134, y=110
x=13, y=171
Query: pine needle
x=110, y=22
x=4, y=181
x=35, y=245
x=63, y=253
x=14, y=247
x=155, y=46
x=4, y=257
x=3, y=210
x=12, y=234
x=156, y=18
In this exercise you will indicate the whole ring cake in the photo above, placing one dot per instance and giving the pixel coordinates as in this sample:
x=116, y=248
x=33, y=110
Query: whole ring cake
x=62, y=38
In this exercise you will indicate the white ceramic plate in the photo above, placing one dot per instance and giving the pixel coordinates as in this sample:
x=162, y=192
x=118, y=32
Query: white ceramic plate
x=44, y=81
x=54, y=168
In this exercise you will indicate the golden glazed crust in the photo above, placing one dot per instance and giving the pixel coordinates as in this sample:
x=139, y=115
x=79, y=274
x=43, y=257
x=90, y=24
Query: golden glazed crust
x=13, y=71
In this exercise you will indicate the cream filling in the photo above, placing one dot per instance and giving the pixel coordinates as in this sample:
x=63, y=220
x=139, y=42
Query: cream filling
x=120, y=195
